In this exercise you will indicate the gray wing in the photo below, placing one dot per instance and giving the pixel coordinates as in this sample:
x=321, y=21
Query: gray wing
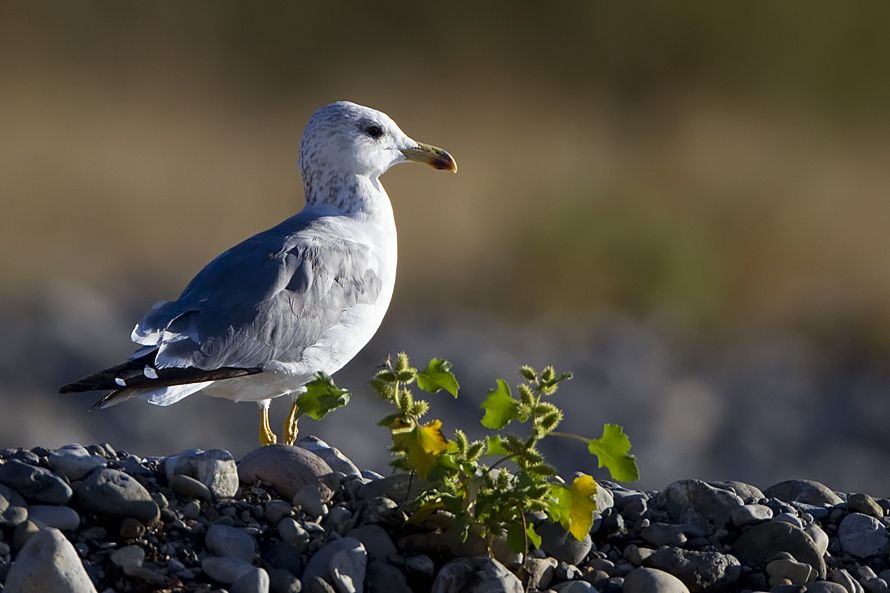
x=263, y=302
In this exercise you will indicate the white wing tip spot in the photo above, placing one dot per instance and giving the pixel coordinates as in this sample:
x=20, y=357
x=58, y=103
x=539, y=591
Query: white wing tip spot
x=120, y=382
x=149, y=372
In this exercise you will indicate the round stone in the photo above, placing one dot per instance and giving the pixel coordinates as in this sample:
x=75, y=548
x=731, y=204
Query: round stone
x=288, y=469
x=63, y=518
x=806, y=491
x=74, y=461
x=862, y=535
x=215, y=469
x=37, y=483
x=651, y=580
x=189, y=486
x=48, y=562
x=478, y=574
x=230, y=542
x=112, y=492
x=225, y=570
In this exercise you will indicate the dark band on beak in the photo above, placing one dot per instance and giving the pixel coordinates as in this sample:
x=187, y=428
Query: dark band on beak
x=431, y=155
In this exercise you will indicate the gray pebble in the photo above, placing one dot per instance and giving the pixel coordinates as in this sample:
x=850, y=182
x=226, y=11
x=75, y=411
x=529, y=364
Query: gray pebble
x=478, y=574
x=825, y=587
x=215, y=469
x=192, y=510
x=288, y=469
x=806, y=491
x=230, y=542
x=282, y=581
x=188, y=486
x=293, y=533
x=663, y=534
x=332, y=456
x=225, y=570
x=48, y=562
x=862, y=536
x=343, y=561
x=557, y=542
x=311, y=500
x=112, y=492
x=750, y=514
x=650, y=580
x=252, y=581
x=575, y=587
x=276, y=510
x=798, y=573
x=37, y=483
x=376, y=541
x=63, y=518
x=74, y=461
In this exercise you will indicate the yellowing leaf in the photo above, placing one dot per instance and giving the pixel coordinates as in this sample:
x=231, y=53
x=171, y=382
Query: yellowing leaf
x=611, y=451
x=421, y=445
x=573, y=506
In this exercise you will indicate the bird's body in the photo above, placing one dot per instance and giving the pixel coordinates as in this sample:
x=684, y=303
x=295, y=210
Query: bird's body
x=304, y=296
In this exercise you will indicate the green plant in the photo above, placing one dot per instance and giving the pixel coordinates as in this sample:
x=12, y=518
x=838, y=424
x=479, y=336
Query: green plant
x=490, y=499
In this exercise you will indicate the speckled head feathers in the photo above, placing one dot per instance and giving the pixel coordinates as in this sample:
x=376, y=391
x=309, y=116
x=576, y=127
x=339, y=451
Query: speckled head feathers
x=344, y=137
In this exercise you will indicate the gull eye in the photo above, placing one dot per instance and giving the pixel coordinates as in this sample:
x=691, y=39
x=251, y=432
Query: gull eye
x=374, y=131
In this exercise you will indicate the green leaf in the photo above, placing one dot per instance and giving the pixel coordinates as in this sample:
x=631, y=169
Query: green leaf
x=516, y=537
x=611, y=451
x=500, y=407
x=573, y=505
x=533, y=536
x=494, y=445
x=321, y=397
x=422, y=445
x=437, y=375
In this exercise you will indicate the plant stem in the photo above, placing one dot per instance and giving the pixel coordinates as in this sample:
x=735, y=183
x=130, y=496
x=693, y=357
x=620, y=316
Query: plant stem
x=569, y=435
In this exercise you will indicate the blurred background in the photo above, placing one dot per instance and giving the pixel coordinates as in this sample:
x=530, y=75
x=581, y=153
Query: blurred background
x=684, y=203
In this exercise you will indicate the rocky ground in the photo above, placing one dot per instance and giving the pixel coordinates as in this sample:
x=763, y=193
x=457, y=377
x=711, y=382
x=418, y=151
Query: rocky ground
x=289, y=519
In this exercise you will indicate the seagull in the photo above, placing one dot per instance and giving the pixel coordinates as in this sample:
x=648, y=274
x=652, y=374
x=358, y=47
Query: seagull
x=305, y=296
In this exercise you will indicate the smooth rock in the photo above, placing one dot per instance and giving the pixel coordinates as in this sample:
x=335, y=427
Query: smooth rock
x=339, y=519
x=311, y=500
x=540, y=571
x=875, y=585
x=276, y=510
x=225, y=570
x=865, y=504
x=743, y=490
x=376, y=541
x=798, y=573
x=48, y=563
x=288, y=469
x=112, y=492
x=663, y=534
x=862, y=535
x=23, y=532
x=698, y=503
x=699, y=571
x=342, y=561
x=761, y=543
x=131, y=528
x=282, y=581
x=74, y=461
x=843, y=578
x=826, y=587
x=191, y=510
x=9, y=497
x=819, y=537
x=188, y=486
x=651, y=580
x=636, y=555
x=214, y=468
x=293, y=533
x=478, y=574
x=421, y=566
x=332, y=456
x=806, y=491
x=13, y=516
x=63, y=518
x=383, y=577
x=130, y=559
x=36, y=483
x=556, y=541
x=230, y=542
x=790, y=519
x=252, y=581
x=575, y=587
x=750, y=514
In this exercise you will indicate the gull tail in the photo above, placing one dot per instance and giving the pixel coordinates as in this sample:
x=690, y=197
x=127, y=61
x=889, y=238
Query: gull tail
x=140, y=377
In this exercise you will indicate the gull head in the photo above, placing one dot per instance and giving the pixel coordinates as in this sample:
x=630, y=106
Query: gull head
x=346, y=138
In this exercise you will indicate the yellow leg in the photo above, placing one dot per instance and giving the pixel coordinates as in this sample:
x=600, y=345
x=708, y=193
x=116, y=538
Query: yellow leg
x=267, y=437
x=290, y=424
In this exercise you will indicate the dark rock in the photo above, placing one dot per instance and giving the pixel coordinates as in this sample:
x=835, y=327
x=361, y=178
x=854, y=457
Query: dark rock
x=288, y=469
x=865, y=504
x=698, y=503
x=383, y=577
x=342, y=562
x=478, y=574
x=557, y=542
x=112, y=492
x=48, y=563
x=252, y=581
x=230, y=542
x=699, y=571
x=651, y=580
x=36, y=483
x=806, y=491
x=761, y=543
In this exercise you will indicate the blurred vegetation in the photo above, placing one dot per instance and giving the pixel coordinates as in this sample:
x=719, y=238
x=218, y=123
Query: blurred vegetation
x=713, y=166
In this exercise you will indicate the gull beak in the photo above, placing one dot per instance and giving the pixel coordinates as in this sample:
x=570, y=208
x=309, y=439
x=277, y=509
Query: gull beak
x=432, y=156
